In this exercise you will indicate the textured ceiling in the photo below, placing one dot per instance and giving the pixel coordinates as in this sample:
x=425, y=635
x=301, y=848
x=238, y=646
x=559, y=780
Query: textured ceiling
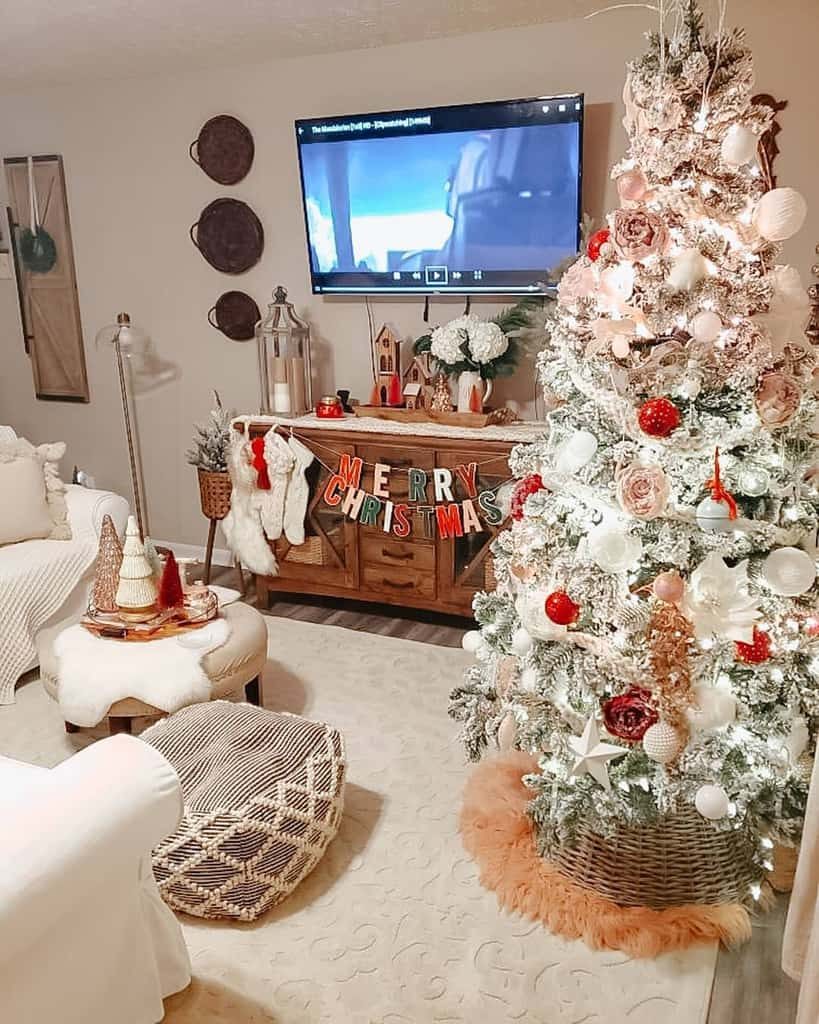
x=53, y=41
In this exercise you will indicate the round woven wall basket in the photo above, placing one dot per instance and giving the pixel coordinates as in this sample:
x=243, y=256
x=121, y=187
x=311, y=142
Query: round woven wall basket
x=214, y=493
x=680, y=860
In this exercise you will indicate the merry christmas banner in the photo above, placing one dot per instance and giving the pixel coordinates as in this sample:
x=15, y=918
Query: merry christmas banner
x=432, y=495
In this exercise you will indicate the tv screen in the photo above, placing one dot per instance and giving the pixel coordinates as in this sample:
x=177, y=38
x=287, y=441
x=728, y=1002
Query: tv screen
x=484, y=198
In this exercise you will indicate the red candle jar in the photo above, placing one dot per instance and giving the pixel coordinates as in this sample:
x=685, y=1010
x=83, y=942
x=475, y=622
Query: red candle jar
x=329, y=408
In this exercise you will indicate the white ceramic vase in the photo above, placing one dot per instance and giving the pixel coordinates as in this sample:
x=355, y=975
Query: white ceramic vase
x=466, y=381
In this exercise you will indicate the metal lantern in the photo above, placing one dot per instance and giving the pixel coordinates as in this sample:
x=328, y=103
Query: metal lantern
x=285, y=374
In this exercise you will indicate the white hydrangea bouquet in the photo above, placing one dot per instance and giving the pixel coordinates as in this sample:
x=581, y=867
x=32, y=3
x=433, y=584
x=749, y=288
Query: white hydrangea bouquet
x=487, y=347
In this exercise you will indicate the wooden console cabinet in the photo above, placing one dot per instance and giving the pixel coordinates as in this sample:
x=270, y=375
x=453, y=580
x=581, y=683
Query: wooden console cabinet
x=342, y=558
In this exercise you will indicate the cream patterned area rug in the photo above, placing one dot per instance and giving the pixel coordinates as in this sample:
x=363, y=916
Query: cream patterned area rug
x=392, y=927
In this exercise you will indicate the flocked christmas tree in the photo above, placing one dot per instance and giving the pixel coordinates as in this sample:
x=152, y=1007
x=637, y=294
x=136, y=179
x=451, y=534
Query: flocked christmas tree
x=652, y=636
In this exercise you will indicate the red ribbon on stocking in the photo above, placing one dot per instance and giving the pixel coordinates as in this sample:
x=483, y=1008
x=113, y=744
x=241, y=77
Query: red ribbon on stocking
x=259, y=464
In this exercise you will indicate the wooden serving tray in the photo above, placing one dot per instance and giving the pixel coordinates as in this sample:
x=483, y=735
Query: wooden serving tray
x=451, y=419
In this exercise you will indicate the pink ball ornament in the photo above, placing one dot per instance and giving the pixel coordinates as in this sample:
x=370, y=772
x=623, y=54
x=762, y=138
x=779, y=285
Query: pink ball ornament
x=632, y=186
x=669, y=587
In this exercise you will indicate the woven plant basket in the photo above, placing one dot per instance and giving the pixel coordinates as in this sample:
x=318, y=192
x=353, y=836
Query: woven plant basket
x=677, y=862
x=214, y=493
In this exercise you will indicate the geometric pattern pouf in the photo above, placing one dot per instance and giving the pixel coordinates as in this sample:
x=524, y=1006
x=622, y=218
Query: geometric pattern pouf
x=263, y=793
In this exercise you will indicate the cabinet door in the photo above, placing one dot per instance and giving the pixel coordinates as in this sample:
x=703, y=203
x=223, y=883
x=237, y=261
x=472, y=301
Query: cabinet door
x=465, y=563
x=329, y=554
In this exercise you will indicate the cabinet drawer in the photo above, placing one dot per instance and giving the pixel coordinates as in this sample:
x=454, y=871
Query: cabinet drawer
x=396, y=553
x=400, y=459
x=396, y=580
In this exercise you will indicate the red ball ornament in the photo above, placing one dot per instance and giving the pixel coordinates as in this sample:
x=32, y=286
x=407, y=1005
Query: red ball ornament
x=523, y=488
x=561, y=608
x=596, y=242
x=757, y=651
x=658, y=417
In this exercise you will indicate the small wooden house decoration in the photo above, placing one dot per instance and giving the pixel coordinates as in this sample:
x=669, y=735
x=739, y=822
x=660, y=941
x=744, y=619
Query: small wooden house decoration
x=386, y=360
x=419, y=372
x=414, y=396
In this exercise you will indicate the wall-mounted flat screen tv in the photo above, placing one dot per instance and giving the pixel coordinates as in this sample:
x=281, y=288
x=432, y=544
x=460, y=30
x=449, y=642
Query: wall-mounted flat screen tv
x=483, y=198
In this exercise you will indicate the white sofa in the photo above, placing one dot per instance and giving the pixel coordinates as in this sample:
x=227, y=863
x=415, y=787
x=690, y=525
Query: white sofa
x=47, y=581
x=84, y=935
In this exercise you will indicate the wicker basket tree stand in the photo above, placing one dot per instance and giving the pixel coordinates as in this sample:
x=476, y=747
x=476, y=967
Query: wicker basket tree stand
x=214, y=499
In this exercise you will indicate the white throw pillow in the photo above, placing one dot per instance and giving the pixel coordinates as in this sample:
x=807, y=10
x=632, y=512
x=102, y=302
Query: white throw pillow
x=24, y=511
x=21, y=492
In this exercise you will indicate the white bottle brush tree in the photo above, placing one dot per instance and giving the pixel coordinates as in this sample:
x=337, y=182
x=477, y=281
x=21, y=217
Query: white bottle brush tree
x=657, y=588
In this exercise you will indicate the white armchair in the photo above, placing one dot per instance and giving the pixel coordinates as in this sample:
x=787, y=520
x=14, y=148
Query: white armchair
x=84, y=935
x=43, y=582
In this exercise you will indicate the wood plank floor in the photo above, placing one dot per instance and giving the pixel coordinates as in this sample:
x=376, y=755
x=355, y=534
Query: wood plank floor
x=749, y=987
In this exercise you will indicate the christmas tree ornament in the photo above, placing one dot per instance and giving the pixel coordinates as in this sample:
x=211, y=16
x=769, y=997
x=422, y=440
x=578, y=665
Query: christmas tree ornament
x=136, y=593
x=629, y=715
x=521, y=642
x=662, y=742
x=523, y=489
x=687, y=270
x=612, y=548
x=718, y=601
x=754, y=481
x=471, y=641
x=757, y=651
x=596, y=242
x=561, y=609
x=441, y=395
x=507, y=732
x=788, y=311
x=669, y=587
x=714, y=707
x=658, y=417
x=789, y=571
x=531, y=609
x=780, y=213
x=106, y=572
x=575, y=452
x=777, y=399
x=712, y=802
x=632, y=185
x=503, y=497
x=170, y=585
x=592, y=756
x=717, y=513
x=616, y=288
x=706, y=327
x=739, y=145
x=642, y=489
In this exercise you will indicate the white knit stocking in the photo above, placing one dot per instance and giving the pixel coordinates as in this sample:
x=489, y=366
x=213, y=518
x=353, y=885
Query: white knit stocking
x=242, y=526
x=298, y=491
x=279, y=461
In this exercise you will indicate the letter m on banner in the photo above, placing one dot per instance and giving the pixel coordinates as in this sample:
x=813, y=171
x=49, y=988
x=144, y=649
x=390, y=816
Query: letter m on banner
x=349, y=469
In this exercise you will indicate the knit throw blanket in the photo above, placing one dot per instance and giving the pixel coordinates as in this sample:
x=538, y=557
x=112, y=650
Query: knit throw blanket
x=94, y=673
x=36, y=579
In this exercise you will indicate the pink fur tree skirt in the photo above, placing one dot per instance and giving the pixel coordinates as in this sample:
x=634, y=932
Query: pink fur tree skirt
x=498, y=834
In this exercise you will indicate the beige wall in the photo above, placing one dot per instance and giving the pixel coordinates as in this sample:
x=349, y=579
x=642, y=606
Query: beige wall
x=133, y=193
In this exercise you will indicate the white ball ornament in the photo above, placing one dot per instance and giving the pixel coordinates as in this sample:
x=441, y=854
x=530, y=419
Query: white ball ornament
x=471, y=641
x=687, y=270
x=705, y=327
x=739, y=145
x=712, y=802
x=662, y=743
x=789, y=571
x=713, y=516
x=714, y=707
x=612, y=548
x=521, y=642
x=575, y=452
x=754, y=481
x=780, y=213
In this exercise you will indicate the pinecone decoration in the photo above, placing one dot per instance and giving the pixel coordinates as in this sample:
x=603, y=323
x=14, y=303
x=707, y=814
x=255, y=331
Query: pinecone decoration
x=106, y=573
x=441, y=395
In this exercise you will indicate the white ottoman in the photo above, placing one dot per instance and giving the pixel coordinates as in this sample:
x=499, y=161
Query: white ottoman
x=231, y=668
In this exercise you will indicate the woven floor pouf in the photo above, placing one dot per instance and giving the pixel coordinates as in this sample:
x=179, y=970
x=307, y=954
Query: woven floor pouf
x=263, y=795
